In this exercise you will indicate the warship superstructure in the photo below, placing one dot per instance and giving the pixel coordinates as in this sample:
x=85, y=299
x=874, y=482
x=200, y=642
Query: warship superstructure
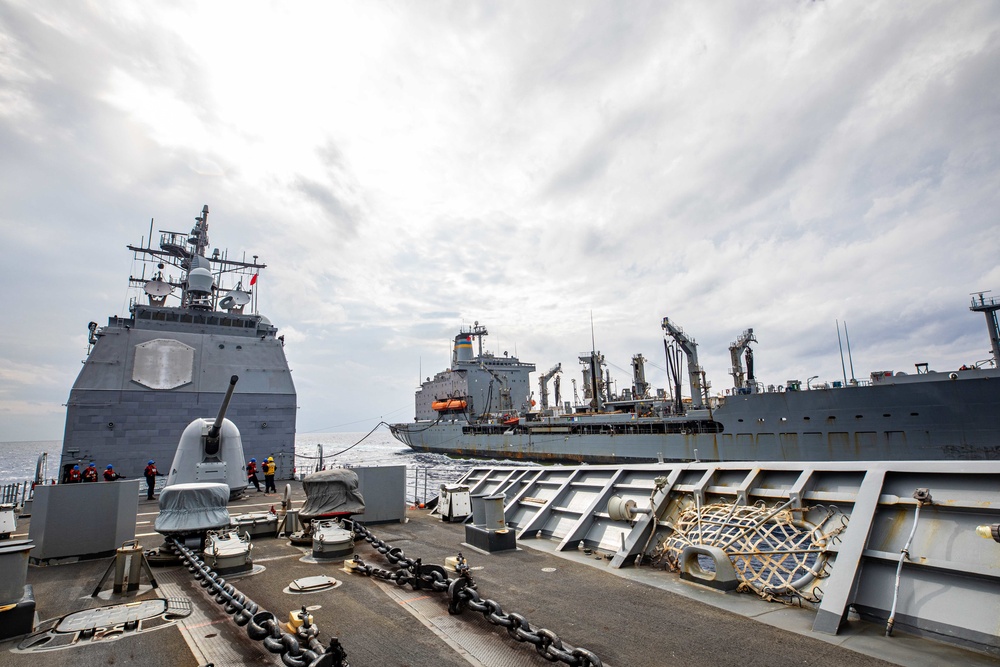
x=482, y=407
x=169, y=362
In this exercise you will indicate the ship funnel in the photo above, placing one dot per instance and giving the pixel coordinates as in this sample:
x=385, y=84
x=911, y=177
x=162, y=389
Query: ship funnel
x=463, y=347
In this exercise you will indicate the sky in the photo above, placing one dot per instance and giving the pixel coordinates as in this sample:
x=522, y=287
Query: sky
x=553, y=170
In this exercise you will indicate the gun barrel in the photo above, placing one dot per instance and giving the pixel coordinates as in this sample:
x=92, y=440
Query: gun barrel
x=217, y=426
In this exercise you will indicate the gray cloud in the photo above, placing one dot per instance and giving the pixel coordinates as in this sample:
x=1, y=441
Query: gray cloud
x=523, y=165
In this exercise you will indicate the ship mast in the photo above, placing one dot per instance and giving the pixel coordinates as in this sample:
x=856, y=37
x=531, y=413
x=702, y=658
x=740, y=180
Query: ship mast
x=188, y=252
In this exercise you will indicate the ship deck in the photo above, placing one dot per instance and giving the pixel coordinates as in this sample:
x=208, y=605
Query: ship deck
x=626, y=617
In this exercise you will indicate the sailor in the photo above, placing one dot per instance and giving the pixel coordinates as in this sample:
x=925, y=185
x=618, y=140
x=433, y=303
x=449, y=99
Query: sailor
x=269, y=475
x=74, y=475
x=110, y=475
x=151, y=474
x=252, y=474
x=90, y=473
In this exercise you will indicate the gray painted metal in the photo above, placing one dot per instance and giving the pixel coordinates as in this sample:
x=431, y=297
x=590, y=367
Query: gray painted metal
x=948, y=570
x=384, y=491
x=64, y=517
x=926, y=415
x=149, y=375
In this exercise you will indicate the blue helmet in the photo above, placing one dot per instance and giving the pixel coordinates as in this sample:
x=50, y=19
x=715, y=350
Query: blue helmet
x=92, y=464
x=151, y=461
x=253, y=460
x=76, y=467
x=109, y=467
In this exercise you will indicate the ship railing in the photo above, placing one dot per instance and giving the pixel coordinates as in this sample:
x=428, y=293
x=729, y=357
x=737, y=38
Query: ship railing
x=16, y=493
x=980, y=300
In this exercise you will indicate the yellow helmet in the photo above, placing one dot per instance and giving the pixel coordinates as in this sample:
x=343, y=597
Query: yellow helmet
x=270, y=458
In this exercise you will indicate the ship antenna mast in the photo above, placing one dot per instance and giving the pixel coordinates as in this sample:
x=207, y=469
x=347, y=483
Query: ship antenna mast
x=841, y=344
x=850, y=357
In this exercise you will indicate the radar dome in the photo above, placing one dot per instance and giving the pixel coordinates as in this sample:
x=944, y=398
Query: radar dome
x=200, y=280
x=199, y=262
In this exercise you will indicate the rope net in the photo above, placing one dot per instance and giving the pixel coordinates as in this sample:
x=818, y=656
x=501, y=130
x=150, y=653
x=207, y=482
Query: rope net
x=775, y=555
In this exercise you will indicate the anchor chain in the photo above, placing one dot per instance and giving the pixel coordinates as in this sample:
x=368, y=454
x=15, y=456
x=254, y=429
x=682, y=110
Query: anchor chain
x=462, y=595
x=262, y=625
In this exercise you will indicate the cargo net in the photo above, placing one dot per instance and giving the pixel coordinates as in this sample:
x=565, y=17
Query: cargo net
x=775, y=555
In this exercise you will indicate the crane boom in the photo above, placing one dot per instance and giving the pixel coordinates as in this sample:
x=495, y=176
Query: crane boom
x=690, y=348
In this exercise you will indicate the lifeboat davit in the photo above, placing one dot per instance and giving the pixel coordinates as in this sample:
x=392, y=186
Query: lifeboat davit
x=448, y=405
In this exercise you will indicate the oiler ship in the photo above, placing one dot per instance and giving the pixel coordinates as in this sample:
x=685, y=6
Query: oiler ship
x=481, y=406
x=148, y=374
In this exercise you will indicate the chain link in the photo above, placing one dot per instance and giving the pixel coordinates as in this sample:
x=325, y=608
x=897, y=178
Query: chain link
x=261, y=625
x=462, y=594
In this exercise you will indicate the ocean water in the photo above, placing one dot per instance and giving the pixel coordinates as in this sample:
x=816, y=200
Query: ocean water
x=425, y=472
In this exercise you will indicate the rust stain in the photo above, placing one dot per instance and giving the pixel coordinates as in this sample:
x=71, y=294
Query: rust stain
x=422, y=597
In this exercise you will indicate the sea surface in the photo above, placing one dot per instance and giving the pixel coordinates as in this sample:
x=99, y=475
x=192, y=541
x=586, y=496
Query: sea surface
x=425, y=472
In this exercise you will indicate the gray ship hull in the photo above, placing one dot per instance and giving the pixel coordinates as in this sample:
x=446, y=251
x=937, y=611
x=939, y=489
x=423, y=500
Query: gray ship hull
x=912, y=418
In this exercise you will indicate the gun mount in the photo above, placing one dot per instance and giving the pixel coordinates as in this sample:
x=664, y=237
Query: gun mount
x=212, y=438
x=211, y=451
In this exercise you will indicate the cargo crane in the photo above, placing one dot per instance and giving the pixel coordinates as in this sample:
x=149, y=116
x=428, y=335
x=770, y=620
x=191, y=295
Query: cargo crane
x=745, y=383
x=690, y=348
x=543, y=386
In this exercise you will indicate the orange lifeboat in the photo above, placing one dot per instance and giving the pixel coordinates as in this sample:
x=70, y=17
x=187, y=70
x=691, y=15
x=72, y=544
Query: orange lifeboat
x=511, y=421
x=448, y=405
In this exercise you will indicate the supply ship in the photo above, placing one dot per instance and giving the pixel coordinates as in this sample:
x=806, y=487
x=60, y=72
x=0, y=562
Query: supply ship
x=482, y=407
x=149, y=374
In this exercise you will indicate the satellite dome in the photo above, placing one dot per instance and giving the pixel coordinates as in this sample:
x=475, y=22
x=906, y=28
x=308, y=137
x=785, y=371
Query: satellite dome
x=200, y=280
x=199, y=262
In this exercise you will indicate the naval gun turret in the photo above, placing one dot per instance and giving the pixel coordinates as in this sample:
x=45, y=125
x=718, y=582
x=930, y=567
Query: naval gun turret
x=211, y=451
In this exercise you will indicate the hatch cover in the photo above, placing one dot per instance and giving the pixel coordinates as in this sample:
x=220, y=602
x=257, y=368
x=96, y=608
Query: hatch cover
x=110, y=622
x=313, y=584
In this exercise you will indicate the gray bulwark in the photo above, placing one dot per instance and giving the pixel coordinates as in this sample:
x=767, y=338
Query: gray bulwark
x=60, y=528
x=861, y=514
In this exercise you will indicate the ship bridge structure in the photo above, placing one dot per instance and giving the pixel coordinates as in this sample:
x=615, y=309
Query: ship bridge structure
x=149, y=374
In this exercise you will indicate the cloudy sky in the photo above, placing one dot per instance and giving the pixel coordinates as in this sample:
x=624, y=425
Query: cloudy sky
x=406, y=168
